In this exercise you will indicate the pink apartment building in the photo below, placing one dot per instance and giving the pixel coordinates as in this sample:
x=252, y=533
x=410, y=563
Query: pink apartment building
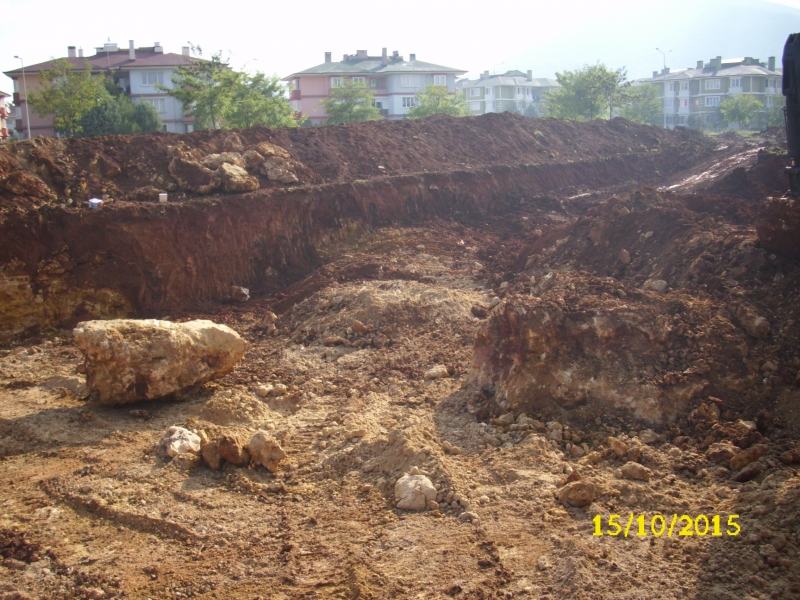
x=393, y=80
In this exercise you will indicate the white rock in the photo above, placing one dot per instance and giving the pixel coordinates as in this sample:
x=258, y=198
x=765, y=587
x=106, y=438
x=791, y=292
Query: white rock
x=543, y=563
x=264, y=390
x=437, y=372
x=279, y=389
x=264, y=450
x=179, y=441
x=413, y=492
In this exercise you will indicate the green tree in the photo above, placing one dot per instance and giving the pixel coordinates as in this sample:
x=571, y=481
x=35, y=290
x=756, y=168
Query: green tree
x=775, y=116
x=436, y=100
x=119, y=115
x=740, y=109
x=350, y=102
x=259, y=100
x=587, y=93
x=204, y=87
x=643, y=105
x=146, y=117
x=67, y=93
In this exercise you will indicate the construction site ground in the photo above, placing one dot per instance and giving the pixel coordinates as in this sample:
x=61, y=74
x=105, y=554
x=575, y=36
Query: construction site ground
x=92, y=508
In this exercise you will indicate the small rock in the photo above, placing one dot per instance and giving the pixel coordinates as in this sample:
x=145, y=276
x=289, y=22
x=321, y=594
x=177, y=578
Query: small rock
x=234, y=450
x=791, y=456
x=619, y=447
x=262, y=391
x=413, y=492
x=437, y=372
x=754, y=324
x=211, y=456
x=279, y=389
x=355, y=433
x=187, y=461
x=433, y=505
x=745, y=457
x=359, y=327
x=751, y=471
x=633, y=470
x=180, y=441
x=266, y=451
x=464, y=502
x=543, y=563
x=335, y=340
x=624, y=257
x=721, y=452
x=479, y=311
x=657, y=285
x=468, y=516
x=578, y=493
x=648, y=436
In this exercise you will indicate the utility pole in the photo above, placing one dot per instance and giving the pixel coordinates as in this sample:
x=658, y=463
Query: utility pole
x=25, y=91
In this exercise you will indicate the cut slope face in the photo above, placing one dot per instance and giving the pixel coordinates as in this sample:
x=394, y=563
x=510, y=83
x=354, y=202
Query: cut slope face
x=62, y=263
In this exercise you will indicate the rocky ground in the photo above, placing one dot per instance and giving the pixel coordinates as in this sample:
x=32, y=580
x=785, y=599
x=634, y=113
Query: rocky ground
x=620, y=349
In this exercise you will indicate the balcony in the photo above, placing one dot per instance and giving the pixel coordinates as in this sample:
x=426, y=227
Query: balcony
x=16, y=99
x=294, y=95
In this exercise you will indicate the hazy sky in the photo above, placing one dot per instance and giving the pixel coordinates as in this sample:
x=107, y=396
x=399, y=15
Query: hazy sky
x=284, y=37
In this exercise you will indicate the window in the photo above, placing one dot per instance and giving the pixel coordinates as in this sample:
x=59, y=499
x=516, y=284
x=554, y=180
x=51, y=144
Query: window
x=160, y=104
x=359, y=80
x=440, y=80
x=712, y=100
x=736, y=82
x=336, y=82
x=684, y=86
x=527, y=91
x=378, y=104
x=409, y=80
x=671, y=87
x=476, y=106
x=409, y=101
x=295, y=84
x=376, y=84
x=488, y=91
x=712, y=84
x=685, y=102
x=670, y=120
x=682, y=120
x=152, y=77
x=474, y=92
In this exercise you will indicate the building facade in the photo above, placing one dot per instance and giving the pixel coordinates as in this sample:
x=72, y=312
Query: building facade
x=5, y=117
x=136, y=70
x=513, y=90
x=393, y=80
x=691, y=97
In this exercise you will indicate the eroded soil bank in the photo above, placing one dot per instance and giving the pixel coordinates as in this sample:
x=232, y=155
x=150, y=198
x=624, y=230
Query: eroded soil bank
x=612, y=323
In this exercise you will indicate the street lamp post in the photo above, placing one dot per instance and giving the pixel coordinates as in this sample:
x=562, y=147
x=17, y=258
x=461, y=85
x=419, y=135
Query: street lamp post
x=664, y=54
x=25, y=91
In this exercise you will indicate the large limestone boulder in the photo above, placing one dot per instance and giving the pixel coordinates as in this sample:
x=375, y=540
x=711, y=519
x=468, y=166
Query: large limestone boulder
x=213, y=161
x=266, y=149
x=128, y=360
x=191, y=176
x=236, y=179
x=278, y=169
x=20, y=183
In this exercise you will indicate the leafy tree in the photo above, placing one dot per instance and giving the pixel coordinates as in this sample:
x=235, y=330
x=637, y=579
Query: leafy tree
x=119, y=115
x=775, y=116
x=259, y=100
x=146, y=117
x=740, y=109
x=204, y=87
x=436, y=100
x=643, y=105
x=103, y=119
x=532, y=110
x=586, y=93
x=350, y=102
x=67, y=93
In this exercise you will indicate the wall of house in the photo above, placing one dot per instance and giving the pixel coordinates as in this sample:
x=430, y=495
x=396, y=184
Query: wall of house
x=172, y=115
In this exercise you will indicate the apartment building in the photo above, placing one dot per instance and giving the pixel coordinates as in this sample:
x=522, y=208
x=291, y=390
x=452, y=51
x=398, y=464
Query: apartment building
x=691, y=97
x=4, y=117
x=136, y=70
x=393, y=80
x=513, y=90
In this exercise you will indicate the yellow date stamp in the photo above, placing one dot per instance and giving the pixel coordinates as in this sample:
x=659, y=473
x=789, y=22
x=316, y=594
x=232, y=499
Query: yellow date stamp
x=659, y=525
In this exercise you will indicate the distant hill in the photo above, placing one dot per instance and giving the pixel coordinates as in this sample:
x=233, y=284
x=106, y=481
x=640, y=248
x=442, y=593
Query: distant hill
x=693, y=29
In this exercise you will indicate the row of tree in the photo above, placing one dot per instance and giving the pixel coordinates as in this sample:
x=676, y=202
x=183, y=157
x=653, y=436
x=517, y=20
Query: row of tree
x=218, y=97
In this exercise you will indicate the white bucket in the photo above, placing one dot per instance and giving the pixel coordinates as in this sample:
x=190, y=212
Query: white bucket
x=162, y=196
x=95, y=203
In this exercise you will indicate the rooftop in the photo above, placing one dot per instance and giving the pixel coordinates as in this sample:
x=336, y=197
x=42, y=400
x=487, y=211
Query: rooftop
x=362, y=63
